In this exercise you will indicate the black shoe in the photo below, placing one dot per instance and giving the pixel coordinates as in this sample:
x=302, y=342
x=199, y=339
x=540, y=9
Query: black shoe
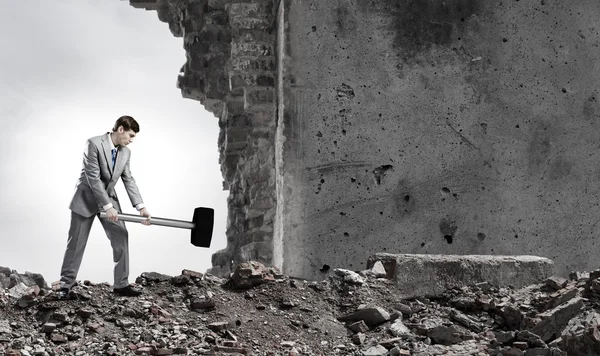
x=127, y=291
x=63, y=293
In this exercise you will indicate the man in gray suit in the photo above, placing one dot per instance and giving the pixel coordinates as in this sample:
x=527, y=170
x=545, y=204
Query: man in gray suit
x=105, y=159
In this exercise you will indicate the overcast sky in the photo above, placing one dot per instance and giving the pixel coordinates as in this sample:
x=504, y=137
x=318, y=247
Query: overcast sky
x=69, y=69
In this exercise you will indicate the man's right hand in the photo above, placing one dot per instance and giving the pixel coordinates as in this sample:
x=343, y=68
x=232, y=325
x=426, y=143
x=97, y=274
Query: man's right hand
x=112, y=215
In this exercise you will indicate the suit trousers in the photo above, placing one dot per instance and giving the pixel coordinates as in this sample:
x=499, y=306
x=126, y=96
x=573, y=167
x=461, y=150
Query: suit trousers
x=79, y=232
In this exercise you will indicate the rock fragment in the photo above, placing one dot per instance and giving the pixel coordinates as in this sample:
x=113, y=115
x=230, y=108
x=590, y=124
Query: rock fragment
x=152, y=277
x=378, y=270
x=553, y=322
x=202, y=304
x=359, y=338
x=359, y=327
x=218, y=326
x=556, y=282
x=370, y=315
x=399, y=329
x=376, y=350
x=250, y=274
x=349, y=276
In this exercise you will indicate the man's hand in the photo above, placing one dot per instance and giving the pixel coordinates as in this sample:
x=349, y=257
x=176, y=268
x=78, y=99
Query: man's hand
x=144, y=212
x=111, y=214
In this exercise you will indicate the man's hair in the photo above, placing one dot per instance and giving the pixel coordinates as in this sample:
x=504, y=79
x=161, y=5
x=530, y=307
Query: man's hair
x=128, y=123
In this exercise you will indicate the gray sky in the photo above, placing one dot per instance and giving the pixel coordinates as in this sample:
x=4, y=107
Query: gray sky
x=68, y=70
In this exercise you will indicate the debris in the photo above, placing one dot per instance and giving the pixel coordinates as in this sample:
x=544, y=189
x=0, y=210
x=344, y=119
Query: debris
x=200, y=314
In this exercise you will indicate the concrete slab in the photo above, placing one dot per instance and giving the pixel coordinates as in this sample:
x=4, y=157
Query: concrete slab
x=429, y=275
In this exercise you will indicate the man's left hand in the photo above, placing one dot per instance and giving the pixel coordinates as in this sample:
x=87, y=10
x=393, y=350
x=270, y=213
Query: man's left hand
x=144, y=212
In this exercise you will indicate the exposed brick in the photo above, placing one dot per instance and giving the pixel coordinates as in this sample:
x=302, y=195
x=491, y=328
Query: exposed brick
x=191, y=87
x=252, y=49
x=258, y=96
x=239, y=80
x=250, y=23
x=192, y=25
x=214, y=105
x=267, y=228
x=198, y=63
x=263, y=118
x=252, y=36
x=265, y=80
x=217, y=18
x=229, y=160
x=262, y=142
x=258, y=251
x=220, y=258
x=264, y=174
x=236, y=134
x=191, y=80
x=174, y=27
x=246, y=64
x=264, y=131
x=216, y=86
x=235, y=106
x=245, y=9
x=269, y=216
x=192, y=93
x=256, y=188
x=255, y=222
x=214, y=62
x=215, y=33
x=239, y=120
x=264, y=203
x=262, y=234
x=220, y=49
x=198, y=46
x=195, y=10
x=218, y=4
x=165, y=14
x=250, y=212
x=235, y=147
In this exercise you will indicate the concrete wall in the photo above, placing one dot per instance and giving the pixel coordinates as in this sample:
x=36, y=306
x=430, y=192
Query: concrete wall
x=455, y=127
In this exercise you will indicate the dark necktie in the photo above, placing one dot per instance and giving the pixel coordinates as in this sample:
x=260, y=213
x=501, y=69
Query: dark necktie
x=114, y=157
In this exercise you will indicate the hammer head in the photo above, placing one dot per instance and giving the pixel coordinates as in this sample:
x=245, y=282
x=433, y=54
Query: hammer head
x=202, y=232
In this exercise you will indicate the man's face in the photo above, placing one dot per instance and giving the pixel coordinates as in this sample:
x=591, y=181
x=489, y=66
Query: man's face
x=124, y=137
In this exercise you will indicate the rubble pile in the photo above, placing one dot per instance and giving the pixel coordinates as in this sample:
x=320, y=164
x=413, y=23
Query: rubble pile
x=259, y=311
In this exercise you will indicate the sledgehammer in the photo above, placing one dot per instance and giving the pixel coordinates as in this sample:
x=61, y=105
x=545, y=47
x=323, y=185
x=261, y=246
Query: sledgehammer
x=201, y=225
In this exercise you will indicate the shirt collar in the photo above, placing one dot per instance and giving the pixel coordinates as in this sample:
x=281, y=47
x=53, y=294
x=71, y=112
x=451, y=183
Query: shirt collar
x=110, y=142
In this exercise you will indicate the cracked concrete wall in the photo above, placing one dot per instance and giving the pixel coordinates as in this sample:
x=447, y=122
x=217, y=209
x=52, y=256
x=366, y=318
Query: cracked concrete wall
x=456, y=127
x=350, y=128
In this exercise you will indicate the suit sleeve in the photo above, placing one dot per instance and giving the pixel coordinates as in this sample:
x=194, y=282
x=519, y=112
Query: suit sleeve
x=130, y=185
x=91, y=167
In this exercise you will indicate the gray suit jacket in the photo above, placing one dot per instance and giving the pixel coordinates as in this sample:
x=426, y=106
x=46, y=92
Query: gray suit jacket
x=96, y=184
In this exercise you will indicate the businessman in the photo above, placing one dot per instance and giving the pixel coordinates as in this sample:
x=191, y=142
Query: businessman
x=105, y=159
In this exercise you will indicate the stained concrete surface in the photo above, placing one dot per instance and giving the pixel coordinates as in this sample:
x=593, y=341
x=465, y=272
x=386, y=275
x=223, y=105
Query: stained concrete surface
x=429, y=127
x=432, y=275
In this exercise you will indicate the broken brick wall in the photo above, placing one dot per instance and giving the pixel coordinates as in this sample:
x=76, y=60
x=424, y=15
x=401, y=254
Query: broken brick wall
x=455, y=127
x=230, y=69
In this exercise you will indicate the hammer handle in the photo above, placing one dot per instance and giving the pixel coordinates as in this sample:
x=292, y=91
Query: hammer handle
x=154, y=221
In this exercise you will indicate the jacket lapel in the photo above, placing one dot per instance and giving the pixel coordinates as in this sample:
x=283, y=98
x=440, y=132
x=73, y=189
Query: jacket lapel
x=107, y=154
